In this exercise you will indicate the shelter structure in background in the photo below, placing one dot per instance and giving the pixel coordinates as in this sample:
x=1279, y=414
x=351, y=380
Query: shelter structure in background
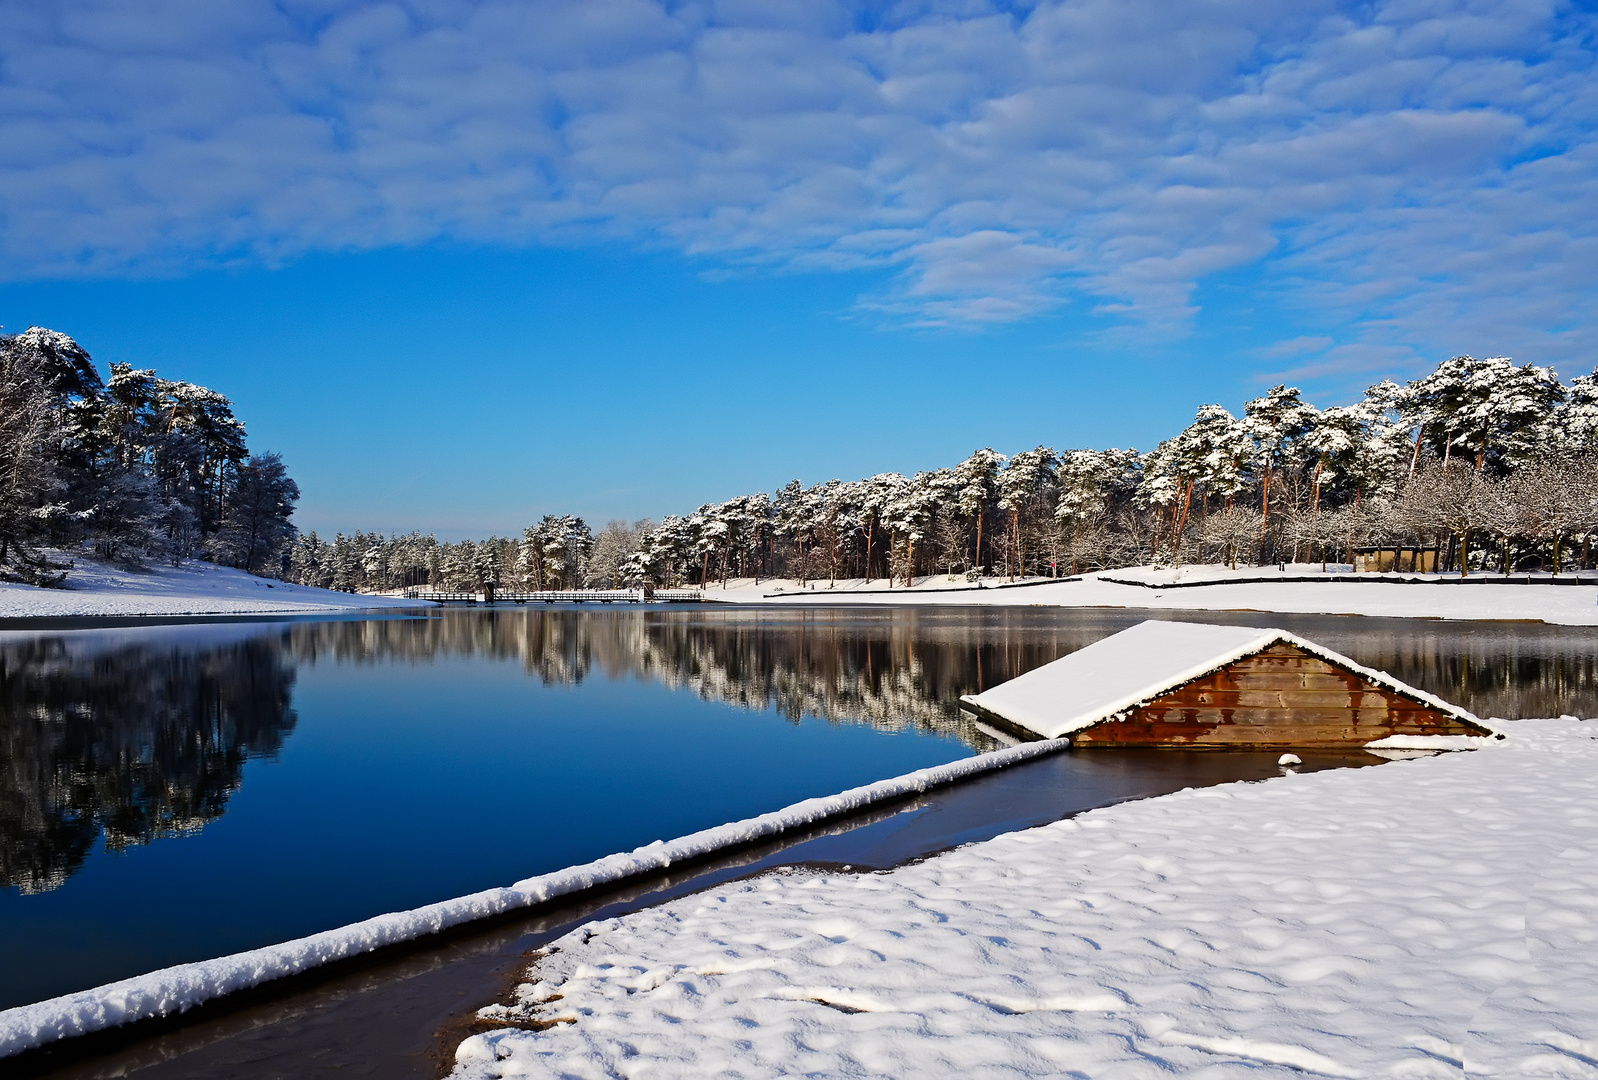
x=1383, y=560
x=1199, y=685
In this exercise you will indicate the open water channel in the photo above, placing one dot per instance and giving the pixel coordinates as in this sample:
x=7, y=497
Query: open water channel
x=175, y=792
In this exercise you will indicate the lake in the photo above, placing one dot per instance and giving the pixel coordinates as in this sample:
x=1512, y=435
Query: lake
x=174, y=792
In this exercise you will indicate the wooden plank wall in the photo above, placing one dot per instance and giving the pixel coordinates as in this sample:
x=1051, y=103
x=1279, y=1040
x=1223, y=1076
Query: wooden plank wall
x=1283, y=696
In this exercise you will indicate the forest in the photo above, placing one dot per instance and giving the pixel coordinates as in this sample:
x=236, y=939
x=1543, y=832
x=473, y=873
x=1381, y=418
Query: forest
x=136, y=468
x=1479, y=465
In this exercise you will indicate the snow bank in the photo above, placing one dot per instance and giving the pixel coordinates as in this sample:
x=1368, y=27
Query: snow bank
x=195, y=588
x=180, y=988
x=1424, y=919
x=1302, y=592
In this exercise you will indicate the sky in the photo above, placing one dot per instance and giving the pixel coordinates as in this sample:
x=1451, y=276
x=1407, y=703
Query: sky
x=465, y=264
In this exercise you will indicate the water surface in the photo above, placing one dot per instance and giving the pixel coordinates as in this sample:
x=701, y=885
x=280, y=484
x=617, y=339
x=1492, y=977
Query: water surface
x=171, y=793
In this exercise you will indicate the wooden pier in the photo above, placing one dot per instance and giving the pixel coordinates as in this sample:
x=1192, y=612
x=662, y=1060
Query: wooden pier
x=560, y=596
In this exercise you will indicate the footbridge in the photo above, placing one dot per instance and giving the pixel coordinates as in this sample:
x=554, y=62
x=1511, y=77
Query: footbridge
x=561, y=596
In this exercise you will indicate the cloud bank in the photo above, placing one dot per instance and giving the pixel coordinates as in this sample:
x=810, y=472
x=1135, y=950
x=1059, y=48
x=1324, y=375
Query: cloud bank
x=1411, y=171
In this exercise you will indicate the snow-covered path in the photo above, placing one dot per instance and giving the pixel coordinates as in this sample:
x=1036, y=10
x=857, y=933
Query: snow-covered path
x=1569, y=605
x=1428, y=918
x=195, y=588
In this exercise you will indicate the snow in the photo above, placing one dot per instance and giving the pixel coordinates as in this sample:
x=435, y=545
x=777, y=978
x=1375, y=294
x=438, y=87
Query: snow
x=1303, y=591
x=1428, y=918
x=1144, y=661
x=177, y=989
x=195, y=588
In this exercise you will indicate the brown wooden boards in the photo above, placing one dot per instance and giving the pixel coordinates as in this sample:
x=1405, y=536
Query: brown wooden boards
x=1281, y=696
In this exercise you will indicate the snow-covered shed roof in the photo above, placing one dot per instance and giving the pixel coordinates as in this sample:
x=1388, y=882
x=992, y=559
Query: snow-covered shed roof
x=1125, y=670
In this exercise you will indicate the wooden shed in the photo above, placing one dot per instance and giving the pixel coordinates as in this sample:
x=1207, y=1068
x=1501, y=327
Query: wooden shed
x=1201, y=685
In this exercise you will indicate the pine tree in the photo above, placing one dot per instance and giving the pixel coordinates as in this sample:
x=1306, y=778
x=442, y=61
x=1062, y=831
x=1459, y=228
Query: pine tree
x=977, y=484
x=1023, y=481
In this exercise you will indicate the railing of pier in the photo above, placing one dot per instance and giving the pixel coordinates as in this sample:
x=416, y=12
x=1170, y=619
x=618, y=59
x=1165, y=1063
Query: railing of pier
x=547, y=596
x=562, y=596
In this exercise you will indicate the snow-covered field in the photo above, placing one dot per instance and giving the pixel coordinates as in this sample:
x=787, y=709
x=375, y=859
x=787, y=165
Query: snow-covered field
x=1303, y=590
x=1425, y=919
x=195, y=588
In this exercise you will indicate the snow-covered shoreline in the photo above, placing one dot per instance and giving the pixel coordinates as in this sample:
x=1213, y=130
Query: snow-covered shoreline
x=1301, y=590
x=1424, y=919
x=200, y=589
x=95, y=588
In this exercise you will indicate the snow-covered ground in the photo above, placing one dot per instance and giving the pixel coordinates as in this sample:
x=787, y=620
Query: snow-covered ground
x=1425, y=919
x=195, y=588
x=1304, y=590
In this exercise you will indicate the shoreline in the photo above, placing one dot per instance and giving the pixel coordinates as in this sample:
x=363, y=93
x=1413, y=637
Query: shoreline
x=100, y=594
x=1567, y=602
x=97, y=590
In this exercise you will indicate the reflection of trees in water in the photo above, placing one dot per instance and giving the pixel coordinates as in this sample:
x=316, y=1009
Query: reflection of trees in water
x=132, y=744
x=1509, y=672
x=907, y=667
x=903, y=672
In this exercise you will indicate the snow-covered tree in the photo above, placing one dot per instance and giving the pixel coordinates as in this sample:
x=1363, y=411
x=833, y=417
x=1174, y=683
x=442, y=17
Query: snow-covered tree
x=619, y=557
x=876, y=495
x=977, y=480
x=1022, y=484
x=1233, y=529
x=27, y=475
x=1278, y=422
x=1454, y=499
x=1573, y=425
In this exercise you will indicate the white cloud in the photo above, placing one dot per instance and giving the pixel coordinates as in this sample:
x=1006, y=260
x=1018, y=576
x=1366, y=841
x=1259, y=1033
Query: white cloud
x=1410, y=171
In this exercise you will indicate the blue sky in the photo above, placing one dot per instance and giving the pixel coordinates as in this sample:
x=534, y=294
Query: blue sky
x=465, y=264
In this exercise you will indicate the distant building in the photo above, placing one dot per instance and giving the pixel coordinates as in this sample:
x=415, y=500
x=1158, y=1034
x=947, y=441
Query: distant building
x=1387, y=559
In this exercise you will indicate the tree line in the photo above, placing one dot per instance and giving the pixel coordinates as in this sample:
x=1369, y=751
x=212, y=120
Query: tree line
x=135, y=467
x=1479, y=464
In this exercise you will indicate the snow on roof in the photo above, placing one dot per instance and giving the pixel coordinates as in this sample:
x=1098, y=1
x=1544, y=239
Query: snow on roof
x=1139, y=664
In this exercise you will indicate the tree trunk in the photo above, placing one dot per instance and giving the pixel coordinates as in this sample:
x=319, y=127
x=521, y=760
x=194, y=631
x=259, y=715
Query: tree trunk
x=1181, y=524
x=1015, y=524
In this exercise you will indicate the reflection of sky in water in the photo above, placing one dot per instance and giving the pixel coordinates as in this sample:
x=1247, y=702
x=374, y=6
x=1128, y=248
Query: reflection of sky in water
x=320, y=772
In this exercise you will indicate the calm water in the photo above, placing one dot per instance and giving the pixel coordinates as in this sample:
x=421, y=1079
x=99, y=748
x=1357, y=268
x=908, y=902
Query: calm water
x=172, y=793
